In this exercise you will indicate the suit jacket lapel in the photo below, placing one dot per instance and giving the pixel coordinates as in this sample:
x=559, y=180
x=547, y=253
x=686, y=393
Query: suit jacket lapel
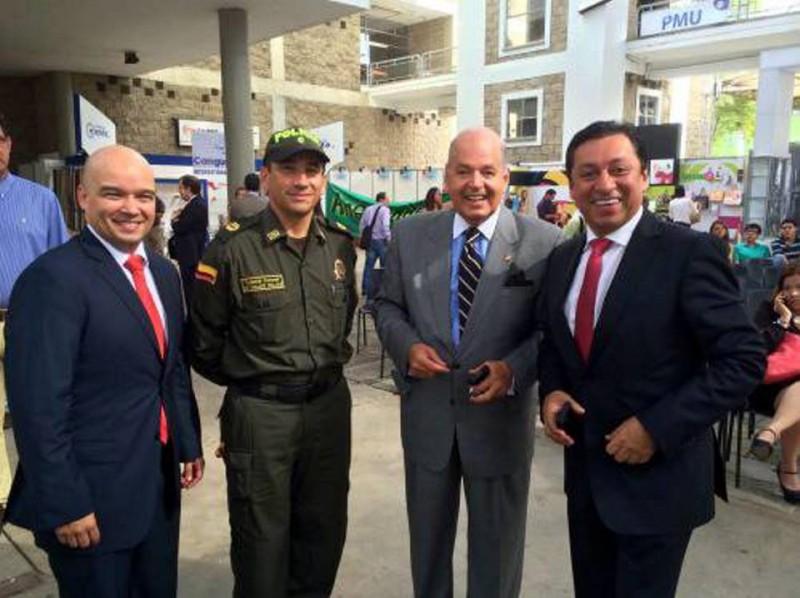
x=110, y=271
x=562, y=275
x=437, y=272
x=638, y=255
x=173, y=308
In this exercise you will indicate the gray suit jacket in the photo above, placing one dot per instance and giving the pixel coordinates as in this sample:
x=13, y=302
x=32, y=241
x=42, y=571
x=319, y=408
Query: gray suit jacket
x=414, y=306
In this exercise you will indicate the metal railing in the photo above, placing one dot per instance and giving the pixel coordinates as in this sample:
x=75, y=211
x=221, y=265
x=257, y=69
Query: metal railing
x=414, y=66
x=738, y=11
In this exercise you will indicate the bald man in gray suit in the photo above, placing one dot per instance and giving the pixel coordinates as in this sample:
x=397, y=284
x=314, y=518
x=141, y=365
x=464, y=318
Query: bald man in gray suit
x=456, y=302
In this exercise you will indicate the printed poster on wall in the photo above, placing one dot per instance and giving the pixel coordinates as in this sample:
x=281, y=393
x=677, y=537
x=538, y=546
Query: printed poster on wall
x=209, y=163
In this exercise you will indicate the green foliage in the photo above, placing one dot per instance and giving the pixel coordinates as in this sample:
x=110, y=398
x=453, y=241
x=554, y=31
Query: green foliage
x=735, y=119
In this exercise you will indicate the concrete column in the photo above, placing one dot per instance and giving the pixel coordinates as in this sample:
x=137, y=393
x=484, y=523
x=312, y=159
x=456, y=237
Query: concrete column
x=774, y=103
x=471, y=59
x=233, y=47
x=64, y=113
x=680, y=98
x=277, y=62
x=594, y=87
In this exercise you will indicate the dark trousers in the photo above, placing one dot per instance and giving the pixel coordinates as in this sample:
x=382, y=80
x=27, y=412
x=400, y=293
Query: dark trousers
x=496, y=508
x=147, y=570
x=609, y=565
x=287, y=467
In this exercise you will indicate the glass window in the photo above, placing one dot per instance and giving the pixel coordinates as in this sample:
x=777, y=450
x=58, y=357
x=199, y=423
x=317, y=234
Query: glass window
x=522, y=117
x=648, y=107
x=524, y=22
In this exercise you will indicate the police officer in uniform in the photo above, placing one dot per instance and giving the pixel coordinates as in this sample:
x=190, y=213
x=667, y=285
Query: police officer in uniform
x=275, y=296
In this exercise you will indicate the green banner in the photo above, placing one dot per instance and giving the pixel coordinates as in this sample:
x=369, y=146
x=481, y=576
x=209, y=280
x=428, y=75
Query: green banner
x=346, y=207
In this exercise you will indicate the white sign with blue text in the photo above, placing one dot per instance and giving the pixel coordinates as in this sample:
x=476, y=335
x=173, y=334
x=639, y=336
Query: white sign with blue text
x=687, y=16
x=93, y=129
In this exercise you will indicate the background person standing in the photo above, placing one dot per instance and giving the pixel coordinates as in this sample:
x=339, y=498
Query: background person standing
x=189, y=232
x=31, y=222
x=378, y=218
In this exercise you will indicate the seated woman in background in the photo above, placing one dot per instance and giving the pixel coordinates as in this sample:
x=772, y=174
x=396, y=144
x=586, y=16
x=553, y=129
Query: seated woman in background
x=719, y=230
x=779, y=394
x=433, y=200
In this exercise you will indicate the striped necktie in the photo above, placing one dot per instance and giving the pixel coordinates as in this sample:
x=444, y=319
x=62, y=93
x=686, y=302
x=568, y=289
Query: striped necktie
x=470, y=266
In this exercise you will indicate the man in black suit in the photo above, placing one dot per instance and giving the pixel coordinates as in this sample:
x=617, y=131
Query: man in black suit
x=189, y=232
x=646, y=346
x=99, y=395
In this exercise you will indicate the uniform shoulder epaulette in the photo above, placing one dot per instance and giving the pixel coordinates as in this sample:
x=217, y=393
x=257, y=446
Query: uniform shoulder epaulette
x=234, y=227
x=336, y=227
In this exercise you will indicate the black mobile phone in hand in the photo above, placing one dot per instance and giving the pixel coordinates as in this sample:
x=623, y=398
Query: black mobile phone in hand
x=563, y=416
x=479, y=376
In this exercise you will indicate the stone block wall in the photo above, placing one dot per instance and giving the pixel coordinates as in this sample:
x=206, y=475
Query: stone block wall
x=18, y=104
x=558, y=31
x=145, y=110
x=430, y=35
x=326, y=55
x=700, y=123
x=377, y=137
x=260, y=65
x=552, y=125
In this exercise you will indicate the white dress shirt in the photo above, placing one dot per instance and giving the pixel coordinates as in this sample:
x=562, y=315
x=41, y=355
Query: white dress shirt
x=611, y=259
x=121, y=257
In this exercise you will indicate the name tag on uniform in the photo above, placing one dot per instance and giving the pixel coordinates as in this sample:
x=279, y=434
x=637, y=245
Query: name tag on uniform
x=263, y=283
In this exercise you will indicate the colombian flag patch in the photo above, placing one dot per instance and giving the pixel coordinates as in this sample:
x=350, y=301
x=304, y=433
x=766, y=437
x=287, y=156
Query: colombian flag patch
x=206, y=273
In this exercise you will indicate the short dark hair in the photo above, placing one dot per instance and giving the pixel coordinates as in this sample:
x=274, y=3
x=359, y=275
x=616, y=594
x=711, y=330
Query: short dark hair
x=550, y=192
x=380, y=196
x=755, y=226
x=680, y=191
x=4, y=125
x=191, y=182
x=789, y=221
x=605, y=128
x=252, y=182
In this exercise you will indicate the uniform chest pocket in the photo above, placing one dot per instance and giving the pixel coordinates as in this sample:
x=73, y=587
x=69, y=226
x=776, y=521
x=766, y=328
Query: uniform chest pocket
x=265, y=300
x=338, y=299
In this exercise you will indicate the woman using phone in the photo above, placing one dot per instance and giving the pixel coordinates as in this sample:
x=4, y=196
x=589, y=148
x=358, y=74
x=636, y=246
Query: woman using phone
x=779, y=395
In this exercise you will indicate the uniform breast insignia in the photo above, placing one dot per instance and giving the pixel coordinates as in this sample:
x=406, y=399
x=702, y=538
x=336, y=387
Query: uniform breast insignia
x=206, y=273
x=232, y=226
x=263, y=283
x=273, y=234
x=339, y=270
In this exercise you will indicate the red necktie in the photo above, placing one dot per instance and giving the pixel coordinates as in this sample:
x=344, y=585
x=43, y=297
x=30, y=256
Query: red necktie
x=584, y=313
x=135, y=264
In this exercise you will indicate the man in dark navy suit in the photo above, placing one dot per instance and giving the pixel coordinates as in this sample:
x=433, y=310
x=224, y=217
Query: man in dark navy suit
x=99, y=395
x=189, y=232
x=646, y=346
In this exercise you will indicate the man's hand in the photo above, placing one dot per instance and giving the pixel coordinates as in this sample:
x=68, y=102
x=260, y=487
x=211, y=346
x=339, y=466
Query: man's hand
x=495, y=386
x=424, y=362
x=192, y=473
x=630, y=443
x=81, y=533
x=552, y=404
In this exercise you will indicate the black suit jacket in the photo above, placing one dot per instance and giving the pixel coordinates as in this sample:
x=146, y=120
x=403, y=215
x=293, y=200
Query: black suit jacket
x=190, y=233
x=85, y=381
x=674, y=347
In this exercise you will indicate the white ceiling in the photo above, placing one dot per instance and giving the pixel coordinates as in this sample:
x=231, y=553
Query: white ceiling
x=409, y=12
x=92, y=35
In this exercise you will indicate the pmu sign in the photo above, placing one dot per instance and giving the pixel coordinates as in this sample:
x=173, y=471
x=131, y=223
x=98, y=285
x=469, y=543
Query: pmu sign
x=689, y=16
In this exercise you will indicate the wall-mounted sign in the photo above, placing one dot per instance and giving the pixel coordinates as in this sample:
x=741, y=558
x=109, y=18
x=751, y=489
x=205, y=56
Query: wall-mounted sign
x=185, y=129
x=332, y=139
x=93, y=129
x=689, y=16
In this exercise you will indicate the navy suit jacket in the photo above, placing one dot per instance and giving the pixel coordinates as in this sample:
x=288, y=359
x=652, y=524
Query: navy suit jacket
x=674, y=347
x=190, y=233
x=85, y=380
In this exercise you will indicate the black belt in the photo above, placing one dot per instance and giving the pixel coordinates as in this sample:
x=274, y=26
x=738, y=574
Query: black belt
x=319, y=383
x=2, y=315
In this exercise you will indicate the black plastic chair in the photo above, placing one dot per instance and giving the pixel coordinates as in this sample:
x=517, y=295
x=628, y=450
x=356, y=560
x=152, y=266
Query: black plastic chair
x=368, y=310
